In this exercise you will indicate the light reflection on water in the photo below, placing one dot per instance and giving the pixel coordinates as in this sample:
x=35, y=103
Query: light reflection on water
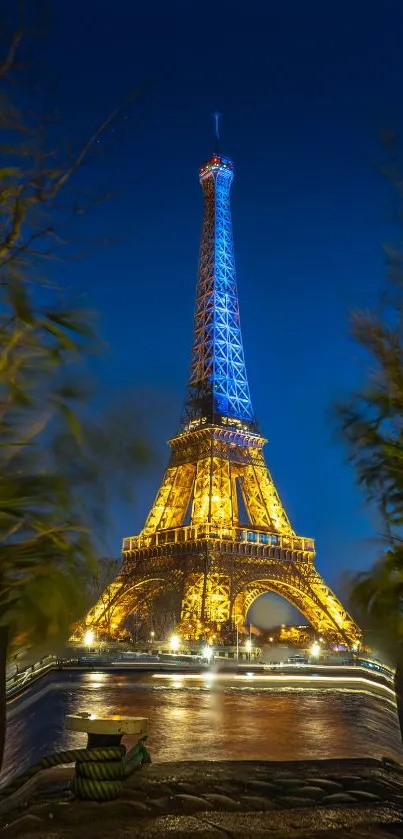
x=206, y=718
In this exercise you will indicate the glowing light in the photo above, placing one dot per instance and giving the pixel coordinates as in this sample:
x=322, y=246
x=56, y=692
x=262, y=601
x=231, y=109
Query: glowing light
x=207, y=652
x=248, y=645
x=97, y=680
x=89, y=637
x=174, y=643
x=315, y=649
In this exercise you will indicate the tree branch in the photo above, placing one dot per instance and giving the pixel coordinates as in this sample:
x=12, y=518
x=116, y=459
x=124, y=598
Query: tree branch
x=9, y=59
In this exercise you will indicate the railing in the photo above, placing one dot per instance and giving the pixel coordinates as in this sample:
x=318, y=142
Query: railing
x=180, y=535
x=18, y=678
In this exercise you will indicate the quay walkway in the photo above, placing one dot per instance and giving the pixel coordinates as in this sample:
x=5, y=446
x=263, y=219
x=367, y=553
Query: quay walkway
x=360, y=673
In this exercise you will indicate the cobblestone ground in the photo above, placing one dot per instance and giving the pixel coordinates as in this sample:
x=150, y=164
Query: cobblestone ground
x=321, y=799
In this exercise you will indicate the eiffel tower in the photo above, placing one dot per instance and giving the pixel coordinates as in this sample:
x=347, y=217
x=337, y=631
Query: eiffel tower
x=217, y=533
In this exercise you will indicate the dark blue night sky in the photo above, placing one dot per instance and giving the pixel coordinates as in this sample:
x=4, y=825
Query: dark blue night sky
x=305, y=89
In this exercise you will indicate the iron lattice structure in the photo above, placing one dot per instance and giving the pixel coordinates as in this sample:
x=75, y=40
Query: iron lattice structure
x=218, y=385
x=195, y=541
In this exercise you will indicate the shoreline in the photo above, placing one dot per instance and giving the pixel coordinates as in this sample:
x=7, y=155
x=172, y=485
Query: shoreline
x=315, y=676
x=223, y=798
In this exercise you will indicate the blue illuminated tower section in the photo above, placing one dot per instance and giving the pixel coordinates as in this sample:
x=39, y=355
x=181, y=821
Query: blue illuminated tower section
x=218, y=390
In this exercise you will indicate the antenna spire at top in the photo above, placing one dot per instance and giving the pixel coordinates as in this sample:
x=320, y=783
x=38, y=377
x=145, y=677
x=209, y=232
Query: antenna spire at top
x=216, y=117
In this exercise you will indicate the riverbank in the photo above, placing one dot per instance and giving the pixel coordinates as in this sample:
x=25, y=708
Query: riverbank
x=223, y=719
x=300, y=675
x=242, y=800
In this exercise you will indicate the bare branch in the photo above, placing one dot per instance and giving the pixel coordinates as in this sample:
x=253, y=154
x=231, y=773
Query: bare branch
x=83, y=153
x=9, y=59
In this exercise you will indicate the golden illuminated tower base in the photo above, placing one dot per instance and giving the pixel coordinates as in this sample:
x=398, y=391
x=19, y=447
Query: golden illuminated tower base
x=196, y=543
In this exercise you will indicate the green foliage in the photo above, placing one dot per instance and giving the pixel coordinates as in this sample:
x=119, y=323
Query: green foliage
x=62, y=461
x=376, y=600
x=372, y=422
x=371, y=426
x=61, y=466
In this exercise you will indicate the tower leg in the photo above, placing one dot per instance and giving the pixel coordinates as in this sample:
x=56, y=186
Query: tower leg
x=204, y=590
x=206, y=603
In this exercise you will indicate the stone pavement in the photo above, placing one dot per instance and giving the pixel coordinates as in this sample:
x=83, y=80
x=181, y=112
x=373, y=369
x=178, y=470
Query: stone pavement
x=213, y=800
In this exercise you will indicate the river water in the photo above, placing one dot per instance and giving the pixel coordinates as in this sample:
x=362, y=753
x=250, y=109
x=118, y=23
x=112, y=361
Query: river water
x=203, y=717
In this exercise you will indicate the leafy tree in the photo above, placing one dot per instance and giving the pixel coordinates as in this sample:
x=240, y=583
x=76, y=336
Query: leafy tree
x=165, y=612
x=61, y=459
x=371, y=424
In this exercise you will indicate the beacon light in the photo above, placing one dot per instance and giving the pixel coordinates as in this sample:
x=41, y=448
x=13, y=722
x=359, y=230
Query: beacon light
x=174, y=643
x=89, y=637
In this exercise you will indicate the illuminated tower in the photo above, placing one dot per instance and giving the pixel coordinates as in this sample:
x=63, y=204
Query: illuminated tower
x=218, y=390
x=217, y=532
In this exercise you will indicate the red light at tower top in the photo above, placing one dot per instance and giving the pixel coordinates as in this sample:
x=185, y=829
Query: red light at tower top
x=216, y=163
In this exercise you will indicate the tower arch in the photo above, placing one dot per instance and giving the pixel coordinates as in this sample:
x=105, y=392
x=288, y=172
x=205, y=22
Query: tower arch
x=121, y=599
x=302, y=598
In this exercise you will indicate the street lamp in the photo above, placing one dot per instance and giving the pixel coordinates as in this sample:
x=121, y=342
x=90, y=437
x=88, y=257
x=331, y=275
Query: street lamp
x=89, y=638
x=152, y=633
x=174, y=643
x=248, y=646
x=315, y=649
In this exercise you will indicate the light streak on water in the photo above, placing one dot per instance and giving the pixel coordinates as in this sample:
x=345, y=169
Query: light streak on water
x=278, y=679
